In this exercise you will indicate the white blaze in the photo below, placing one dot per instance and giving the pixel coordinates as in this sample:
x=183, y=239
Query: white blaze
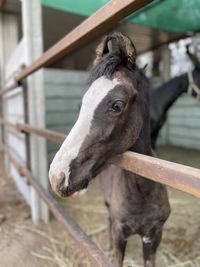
x=146, y=239
x=70, y=147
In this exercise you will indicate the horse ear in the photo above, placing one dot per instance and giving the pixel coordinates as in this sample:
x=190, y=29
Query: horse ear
x=116, y=42
x=101, y=50
x=126, y=46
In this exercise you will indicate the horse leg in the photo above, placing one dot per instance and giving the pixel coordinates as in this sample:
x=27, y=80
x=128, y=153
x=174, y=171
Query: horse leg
x=119, y=244
x=150, y=245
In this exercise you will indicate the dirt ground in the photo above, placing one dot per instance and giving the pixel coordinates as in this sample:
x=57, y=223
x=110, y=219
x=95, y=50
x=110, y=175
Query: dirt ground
x=23, y=244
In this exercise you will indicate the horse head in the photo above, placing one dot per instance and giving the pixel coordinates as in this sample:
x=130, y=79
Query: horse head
x=113, y=112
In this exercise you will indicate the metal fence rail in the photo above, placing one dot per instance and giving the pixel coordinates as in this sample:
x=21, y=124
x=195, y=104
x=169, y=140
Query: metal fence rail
x=178, y=176
x=53, y=136
x=96, y=256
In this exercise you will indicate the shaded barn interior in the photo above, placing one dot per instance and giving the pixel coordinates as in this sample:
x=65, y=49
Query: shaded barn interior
x=179, y=129
x=62, y=86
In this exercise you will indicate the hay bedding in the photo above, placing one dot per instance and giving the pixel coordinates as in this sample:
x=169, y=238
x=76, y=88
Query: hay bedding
x=180, y=246
x=50, y=246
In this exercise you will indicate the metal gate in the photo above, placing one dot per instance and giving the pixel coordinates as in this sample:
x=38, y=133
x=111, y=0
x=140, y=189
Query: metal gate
x=178, y=176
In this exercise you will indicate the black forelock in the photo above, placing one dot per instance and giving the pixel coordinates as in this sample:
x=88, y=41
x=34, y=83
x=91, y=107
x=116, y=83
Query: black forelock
x=109, y=64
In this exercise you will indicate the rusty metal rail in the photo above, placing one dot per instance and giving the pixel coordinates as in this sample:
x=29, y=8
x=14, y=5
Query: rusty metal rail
x=178, y=176
x=9, y=88
x=96, y=256
x=53, y=136
x=104, y=19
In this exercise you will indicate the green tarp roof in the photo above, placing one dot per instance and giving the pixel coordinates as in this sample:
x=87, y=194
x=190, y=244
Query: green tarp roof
x=170, y=15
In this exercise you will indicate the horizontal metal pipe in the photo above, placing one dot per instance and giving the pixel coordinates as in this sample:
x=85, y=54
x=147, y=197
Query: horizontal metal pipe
x=178, y=176
x=48, y=134
x=96, y=256
x=53, y=136
x=9, y=88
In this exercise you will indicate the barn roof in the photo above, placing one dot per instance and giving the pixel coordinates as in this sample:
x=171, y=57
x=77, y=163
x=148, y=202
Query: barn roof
x=159, y=23
x=169, y=15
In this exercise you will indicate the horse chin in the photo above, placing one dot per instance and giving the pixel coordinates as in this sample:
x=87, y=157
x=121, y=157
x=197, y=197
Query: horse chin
x=73, y=190
x=79, y=193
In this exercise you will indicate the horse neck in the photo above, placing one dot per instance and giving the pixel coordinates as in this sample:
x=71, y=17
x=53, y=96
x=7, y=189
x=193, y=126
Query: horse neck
x=166, y=95
x=142, y=146
x=143, y=143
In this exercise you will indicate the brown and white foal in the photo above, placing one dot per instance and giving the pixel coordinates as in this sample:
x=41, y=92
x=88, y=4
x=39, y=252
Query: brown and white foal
x=114, y=117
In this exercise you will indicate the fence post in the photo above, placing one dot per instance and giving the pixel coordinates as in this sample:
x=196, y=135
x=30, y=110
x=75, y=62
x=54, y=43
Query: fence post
x=8, y=41
x=33, y=40
x=1, y=84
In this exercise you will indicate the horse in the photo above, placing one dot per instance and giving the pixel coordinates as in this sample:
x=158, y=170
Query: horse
x=164, y=97
x=114, y=117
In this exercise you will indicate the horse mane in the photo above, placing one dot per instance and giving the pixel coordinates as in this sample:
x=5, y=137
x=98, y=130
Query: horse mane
x=109, y=64
x=106, y=64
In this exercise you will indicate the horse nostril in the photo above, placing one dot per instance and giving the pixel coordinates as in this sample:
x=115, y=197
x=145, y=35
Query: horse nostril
x=62, y=177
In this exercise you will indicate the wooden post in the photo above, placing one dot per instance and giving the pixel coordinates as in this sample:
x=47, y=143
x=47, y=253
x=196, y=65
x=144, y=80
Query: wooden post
x=156, y=55
x=166, y=63
x=33, y=39
x=2, y=4
x=165, y=74
x=1, y=51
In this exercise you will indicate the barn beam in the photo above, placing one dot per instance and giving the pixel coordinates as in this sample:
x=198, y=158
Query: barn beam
x=2, y=4
x=167, y=42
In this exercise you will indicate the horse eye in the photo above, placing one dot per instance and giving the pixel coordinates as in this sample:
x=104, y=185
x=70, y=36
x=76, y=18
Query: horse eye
x=118, y=106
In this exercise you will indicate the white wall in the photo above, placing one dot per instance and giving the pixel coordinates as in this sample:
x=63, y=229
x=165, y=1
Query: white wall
x=13, y=106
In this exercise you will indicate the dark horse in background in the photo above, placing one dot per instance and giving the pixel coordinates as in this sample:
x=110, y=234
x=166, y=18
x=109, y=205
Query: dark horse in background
x=115, y=117
x=164, y=97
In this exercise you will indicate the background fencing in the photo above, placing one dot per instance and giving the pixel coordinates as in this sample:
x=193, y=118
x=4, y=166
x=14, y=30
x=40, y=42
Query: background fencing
x=26, y=129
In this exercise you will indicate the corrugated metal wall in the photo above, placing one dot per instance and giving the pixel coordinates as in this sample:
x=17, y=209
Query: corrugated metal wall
x=182, y=127
x=184, y=123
